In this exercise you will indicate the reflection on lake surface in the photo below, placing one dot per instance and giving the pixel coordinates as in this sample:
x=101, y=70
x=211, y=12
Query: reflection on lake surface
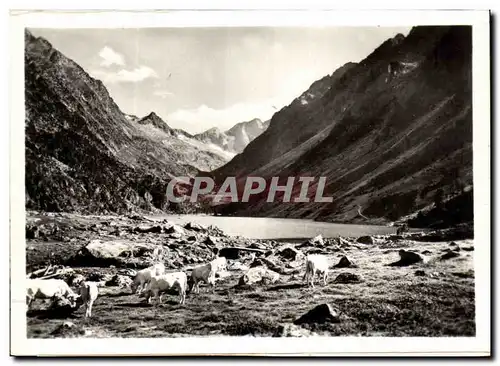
x=276, y=228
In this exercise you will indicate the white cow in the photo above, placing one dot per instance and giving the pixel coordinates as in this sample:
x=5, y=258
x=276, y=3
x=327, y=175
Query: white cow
x=206, y=273
x=143, y=277
x=162, y=283
x=88, y=291
x=48, y=289
x=316, y=264
x=219, y=264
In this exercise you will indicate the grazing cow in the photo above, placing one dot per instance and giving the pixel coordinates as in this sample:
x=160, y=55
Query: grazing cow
x=88, y=291
x=160, y=284
x=49, y=289
x=206, y=273
x=143, y=277
x=316, y=264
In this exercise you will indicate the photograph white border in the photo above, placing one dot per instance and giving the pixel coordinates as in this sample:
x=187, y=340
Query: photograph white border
x=318, y=346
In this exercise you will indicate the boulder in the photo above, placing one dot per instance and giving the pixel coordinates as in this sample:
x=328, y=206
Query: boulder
x=259, y=275
x=366, y=240
x=407, y=258
x=292, y=330
x=347, y=277
x=449, y=255
x=289, y=252
x=256, y=245
x=112, y=252
x=320, y=314
x=270, y=263
x=175, y=236
x=211, y=240
x=344, y=262
x=193, y=226
x=237, y=266
x=174, y=229
x=454, y=246
x=148, y=229
x=420, y=273
x=120, y=280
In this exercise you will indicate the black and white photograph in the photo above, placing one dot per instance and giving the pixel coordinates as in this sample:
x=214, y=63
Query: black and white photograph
x=215, y=176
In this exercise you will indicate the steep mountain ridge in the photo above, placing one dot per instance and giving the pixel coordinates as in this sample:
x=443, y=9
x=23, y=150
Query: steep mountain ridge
x=236, y=138
x=83, y=153
x=387, y=133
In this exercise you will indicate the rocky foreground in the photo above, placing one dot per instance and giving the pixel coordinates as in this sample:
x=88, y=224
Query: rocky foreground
x=415, y=284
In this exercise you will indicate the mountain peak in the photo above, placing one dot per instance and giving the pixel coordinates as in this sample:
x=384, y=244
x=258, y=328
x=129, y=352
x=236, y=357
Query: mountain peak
x=156, y=121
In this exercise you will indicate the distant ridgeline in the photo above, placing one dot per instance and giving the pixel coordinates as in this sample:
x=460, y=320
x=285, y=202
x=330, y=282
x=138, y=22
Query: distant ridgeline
x=392, y=135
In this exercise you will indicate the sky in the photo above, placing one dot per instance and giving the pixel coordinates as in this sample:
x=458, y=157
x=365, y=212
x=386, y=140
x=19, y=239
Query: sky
x=199, y=78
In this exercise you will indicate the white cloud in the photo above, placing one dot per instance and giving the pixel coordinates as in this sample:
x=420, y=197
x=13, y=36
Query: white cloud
x=111, y=57
x=163, y=93
x=203, y=117
x=131, y=76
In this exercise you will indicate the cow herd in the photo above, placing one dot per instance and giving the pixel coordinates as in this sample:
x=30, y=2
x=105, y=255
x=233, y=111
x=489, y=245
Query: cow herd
x=153, y=282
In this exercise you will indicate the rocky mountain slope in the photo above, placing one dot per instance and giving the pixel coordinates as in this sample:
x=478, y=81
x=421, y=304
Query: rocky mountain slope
x=83, y=153
x=236, y=138
x=388, y=133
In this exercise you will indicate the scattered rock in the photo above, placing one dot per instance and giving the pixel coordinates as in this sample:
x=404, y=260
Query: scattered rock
x=294, y=264
x=32, y=232
x=407, y=258
x=237, y=266
x=366, y=240
x=174, y=229
x=259, y=275
x=320, y=314
x=347, y=277
x=289, y=252
x=98, y=276
x=394, y=237
x=270, y=262
x=120, y=280
x=343, y=242
x=113, y=252
x=127, y=272
x=76, y=279
x=175, y=236
x=449, y=254
x=467, y=274
x=68, y=329
x=344, y=262
x=436, y=274
x=256, y=245
x=148, y=229
x=194, y=227
x=292, y=330
x=229, y=253
x=211, y=240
